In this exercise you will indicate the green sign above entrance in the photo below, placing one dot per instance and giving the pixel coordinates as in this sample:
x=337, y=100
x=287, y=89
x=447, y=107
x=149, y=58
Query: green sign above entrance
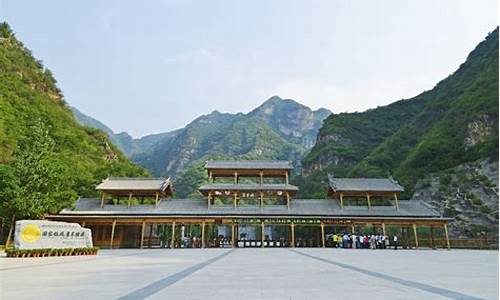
x=278, y=221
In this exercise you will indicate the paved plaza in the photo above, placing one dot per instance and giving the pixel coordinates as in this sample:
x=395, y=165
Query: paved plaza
x=302, y=273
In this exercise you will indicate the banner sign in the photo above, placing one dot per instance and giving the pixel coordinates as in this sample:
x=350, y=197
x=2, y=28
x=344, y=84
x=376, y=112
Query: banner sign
x=290, y=221
x=36, y=234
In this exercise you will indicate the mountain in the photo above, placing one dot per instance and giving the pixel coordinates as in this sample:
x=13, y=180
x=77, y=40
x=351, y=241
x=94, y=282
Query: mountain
x=126, y=143
x=277, y=129
x=445, y=130
x=34, y=114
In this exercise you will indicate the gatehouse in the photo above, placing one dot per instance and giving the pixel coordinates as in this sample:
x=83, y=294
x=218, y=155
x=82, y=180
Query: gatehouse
x=251, y=203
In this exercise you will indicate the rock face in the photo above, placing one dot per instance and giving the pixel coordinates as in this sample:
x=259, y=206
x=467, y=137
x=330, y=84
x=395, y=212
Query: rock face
x=277, y=129
x=467, y=193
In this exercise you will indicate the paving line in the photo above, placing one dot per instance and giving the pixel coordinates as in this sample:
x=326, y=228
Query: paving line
x=413, y=284
x=163, y=283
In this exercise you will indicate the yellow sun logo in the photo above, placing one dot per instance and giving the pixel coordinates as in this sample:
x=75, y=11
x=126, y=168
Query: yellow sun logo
x=31, y=233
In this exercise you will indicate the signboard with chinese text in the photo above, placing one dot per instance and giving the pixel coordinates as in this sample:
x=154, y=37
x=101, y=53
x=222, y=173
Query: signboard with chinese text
x=36, y=234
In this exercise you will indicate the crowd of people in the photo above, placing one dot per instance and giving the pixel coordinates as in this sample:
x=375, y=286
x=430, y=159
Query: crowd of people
x=364, y=241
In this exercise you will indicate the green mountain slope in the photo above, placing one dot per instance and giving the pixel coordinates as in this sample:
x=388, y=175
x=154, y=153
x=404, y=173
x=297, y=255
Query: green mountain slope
x=127, y=144
x=453, y=123
x=29, y=97
x=276, y=129
x=459, y=125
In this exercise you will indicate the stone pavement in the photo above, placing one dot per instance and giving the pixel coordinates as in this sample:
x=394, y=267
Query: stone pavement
x=301, y=273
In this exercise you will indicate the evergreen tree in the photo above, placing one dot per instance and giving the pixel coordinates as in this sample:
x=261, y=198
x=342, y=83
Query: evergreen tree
x=43, y=183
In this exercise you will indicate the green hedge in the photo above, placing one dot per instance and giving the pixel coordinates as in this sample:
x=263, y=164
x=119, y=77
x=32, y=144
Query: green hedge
x=51, y=252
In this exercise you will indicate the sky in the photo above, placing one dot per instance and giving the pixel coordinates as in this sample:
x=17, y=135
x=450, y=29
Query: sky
x=152, y=66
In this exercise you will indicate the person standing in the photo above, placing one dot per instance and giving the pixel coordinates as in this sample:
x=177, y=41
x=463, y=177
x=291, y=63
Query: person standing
x=395, y=240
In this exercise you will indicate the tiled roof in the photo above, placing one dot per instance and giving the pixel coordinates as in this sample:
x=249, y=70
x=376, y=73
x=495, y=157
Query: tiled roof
x=364, y=184
x=298, y=208
x=134, y=184
x=248, y=164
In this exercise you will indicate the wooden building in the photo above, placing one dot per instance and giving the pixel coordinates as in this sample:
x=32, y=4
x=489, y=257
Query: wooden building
x=241, y=195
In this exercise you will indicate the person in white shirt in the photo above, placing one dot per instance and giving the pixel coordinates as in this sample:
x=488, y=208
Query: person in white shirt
x=395, y=240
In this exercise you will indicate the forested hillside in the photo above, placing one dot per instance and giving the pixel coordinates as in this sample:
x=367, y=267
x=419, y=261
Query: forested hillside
x=47, y=159
x=414, y=140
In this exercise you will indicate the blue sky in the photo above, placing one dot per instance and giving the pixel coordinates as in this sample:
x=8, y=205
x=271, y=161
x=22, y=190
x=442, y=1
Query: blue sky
x=152, y=66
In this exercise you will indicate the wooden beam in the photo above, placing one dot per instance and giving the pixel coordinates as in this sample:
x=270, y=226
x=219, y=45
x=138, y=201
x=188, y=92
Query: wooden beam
x=287, y=200
x=102, y=200
x=209, y=199
x=261, y=173
x=292, y=227
x=368, y=200
x=341, y=200
x=416, y=235
x=383, y=228
x=112, y=234
x=352, y=228
x=235, y=199
x=203, y=235
x=129, y=199
x=156, y=200
x=262, y=234
x=261, y=199
x=142, y=233
x=396, y=200
x=172, y=242
x=446, y=235
x=322, y=235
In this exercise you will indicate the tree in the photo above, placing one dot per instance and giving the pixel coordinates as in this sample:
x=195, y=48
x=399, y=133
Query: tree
x=43, y=182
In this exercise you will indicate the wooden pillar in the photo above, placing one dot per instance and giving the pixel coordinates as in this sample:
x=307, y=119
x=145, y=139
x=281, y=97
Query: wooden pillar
x=261, y=173
x=112, y=234
x=209, y=199
x=287, y=200
x=129, y=199
x=210, y=178
x=142, y=234
x=262, y=234
x=102, y=200
x=383, y=228
x=433, y=244
x=323, y=235
x=235, y=199
x=235, y=177
x=446, y=235
x=286, y=177
x=416, y=235
x=341, y=200
x=396, y=200
x=292, y=227
x=172, y=242
x=352, y=228
x=203, y=235
x=156, y=200
x=83, y=224
x=233, y=235
x=261, y=196
x=368, y=200
x=150, y=235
